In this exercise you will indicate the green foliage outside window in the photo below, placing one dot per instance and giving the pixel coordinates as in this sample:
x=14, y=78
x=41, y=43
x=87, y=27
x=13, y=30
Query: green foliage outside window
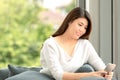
x=21, y=32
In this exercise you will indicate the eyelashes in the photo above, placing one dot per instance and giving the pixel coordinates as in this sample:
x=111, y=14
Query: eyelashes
x=81, y=25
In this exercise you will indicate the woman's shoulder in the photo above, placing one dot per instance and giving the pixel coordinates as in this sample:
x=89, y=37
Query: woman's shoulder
x=84, y=41
x=49, y=41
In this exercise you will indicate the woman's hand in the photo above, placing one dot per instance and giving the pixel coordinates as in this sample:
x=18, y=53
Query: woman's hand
x=103, y=74
x=99, y=74
x=109, y=75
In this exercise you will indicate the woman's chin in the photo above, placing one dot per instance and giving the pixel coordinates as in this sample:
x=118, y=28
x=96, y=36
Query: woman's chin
x=76, y=38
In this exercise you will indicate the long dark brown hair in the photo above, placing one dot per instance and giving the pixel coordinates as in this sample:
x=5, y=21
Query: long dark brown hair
x=75, y=14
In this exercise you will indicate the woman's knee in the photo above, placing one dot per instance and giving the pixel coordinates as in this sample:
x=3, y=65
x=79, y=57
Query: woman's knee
x=85, y=68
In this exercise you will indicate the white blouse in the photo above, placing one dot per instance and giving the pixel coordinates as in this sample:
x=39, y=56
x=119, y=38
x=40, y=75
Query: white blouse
x=55, y=61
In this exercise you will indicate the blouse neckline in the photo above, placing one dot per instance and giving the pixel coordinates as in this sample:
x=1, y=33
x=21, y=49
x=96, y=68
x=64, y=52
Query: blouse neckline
x=64, y=50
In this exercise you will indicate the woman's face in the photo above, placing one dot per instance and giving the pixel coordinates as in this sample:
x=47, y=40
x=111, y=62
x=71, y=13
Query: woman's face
x=77, y=28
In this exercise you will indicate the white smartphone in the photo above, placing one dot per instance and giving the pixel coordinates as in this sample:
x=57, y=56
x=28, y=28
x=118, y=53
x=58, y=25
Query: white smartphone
x=110, y=67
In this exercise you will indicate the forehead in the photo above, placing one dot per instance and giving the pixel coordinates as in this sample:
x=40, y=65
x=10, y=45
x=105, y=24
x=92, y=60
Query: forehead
x=81, y=19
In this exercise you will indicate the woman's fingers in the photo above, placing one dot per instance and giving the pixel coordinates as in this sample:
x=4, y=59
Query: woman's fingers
x=109, y=75
x=101, y=73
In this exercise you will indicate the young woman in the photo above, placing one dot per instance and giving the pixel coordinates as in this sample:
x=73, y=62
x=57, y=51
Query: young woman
x=64, y=54
x=69, y=48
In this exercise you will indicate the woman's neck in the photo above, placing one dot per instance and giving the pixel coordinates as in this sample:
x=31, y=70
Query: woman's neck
x=67, y=39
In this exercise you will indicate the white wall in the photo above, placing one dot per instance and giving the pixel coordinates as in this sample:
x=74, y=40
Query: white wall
x=116, y=38
x=100, y=11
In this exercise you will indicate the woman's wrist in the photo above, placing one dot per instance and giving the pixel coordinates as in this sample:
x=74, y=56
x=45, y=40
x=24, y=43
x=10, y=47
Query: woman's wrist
x=98, y=73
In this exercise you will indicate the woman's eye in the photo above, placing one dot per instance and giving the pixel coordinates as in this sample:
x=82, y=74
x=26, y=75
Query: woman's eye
x=85, y=27
x=80, y=24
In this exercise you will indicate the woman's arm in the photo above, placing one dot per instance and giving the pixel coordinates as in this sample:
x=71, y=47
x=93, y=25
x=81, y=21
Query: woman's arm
x=94, y=59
